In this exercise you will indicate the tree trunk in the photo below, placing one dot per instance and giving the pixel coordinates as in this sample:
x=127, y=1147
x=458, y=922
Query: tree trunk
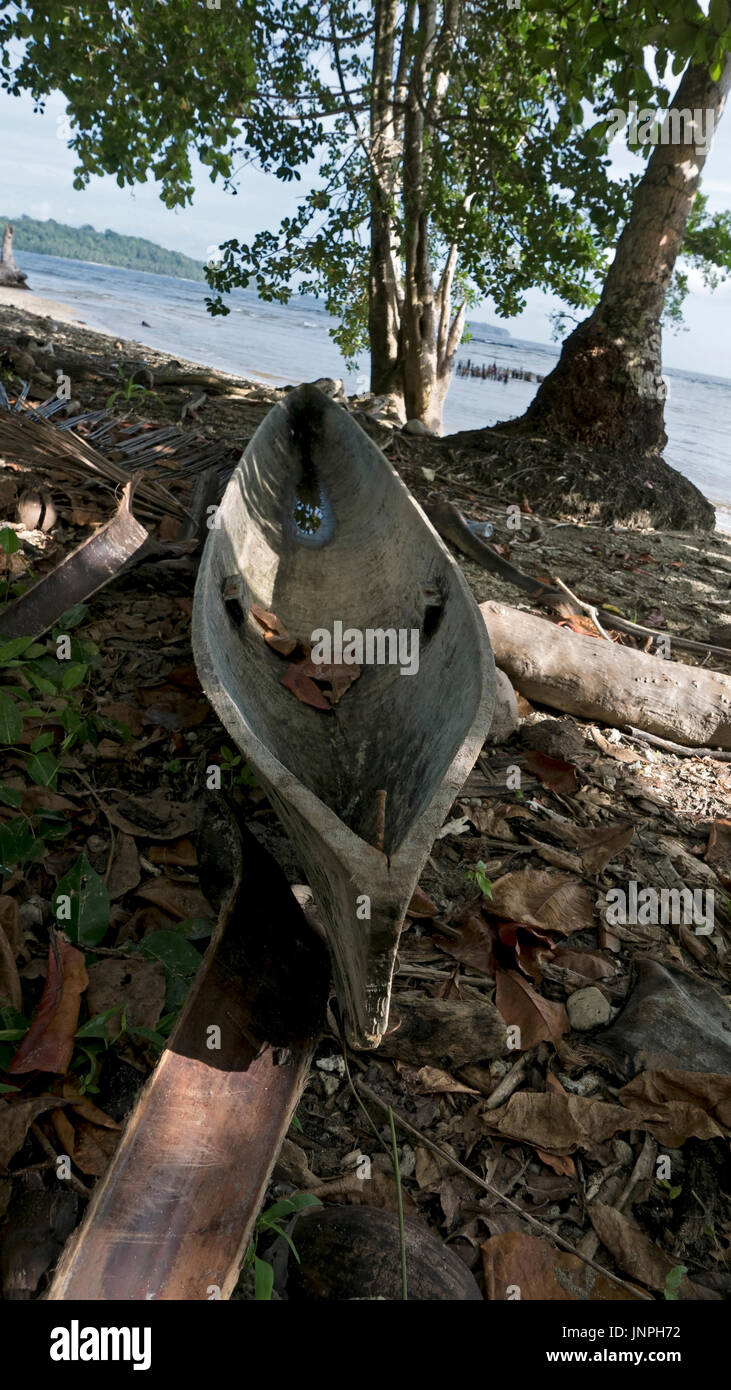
x=385, y=296
x=607, y=387
x=427, y=336
x=9, y=272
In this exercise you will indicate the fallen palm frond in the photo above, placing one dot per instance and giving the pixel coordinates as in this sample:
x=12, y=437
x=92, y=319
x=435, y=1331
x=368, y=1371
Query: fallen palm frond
x=106, y=450
x=79, y=575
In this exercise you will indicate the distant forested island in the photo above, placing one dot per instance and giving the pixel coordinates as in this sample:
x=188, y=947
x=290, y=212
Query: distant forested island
x=485, y=332
x=51, y=238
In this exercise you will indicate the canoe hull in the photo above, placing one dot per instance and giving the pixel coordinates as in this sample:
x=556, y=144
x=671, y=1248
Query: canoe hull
x=404, y=736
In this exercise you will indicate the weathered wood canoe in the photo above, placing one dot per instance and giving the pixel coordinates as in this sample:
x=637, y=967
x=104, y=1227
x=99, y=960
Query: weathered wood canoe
x=316, y=527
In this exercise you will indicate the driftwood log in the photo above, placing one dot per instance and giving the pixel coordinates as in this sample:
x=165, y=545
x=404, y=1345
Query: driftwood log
x=10, y=274
x=173, y=1215
x=617, y=685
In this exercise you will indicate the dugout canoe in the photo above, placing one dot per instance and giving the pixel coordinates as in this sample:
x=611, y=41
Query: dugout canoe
x=316, y=527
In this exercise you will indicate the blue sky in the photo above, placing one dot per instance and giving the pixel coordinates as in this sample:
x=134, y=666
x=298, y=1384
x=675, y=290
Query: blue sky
x=36, y=173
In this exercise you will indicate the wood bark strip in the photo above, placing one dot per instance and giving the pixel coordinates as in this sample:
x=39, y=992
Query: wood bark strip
x=612, y=684
x=173, y=1216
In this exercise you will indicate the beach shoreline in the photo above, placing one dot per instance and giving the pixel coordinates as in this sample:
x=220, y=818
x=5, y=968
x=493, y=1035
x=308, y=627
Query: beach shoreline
x=24, y=312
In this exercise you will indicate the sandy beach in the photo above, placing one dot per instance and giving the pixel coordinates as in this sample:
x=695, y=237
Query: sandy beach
x=12, y=298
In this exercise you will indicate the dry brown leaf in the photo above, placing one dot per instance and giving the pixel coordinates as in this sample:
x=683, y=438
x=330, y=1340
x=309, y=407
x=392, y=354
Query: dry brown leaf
x=421, y=905
x=439, y=1082
x=65, y=1131
x=606, y=845
x=707, y=1089
x=300, y=683
x=562, y=1164
x=10, y=923
x=136, y=985
x=592, y=964
x=179, y=900
x=379, y=1190
x=10, y=992
x=539, y=898
x=474, y=946
x=125, y=871
x=539, y=1019
x=718, y=852
x=83, y=1106
x=269, y=621
x=16, y=1118
x=634, y=1253
x=514, y=1261
x=44, y=799
x=562, y=1124
x=182, y=854
x=49, y=1043
x=93, y=1148
x=151, y=817
x=553, y=772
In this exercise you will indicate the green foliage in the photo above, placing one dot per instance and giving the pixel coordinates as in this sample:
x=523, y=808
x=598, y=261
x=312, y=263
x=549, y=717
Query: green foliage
x=511, y=167
x=40, y=720
x=478, y=875
x=52, y=238
x=236, y=773
x=673, y=1282
x=130, y=390
x=84, y=893
x=270, y=1221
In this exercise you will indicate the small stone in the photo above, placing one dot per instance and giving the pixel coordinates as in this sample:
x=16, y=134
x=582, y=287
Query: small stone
x=415, y=427
x=587, y=1008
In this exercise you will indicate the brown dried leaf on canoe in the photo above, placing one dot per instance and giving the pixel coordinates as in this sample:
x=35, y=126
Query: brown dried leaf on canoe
x=539, y=898
x=49, y=1043
x=275, y=633
x=513, y=1260
x=304, y=679
x=539, y=1019
x=297, y=680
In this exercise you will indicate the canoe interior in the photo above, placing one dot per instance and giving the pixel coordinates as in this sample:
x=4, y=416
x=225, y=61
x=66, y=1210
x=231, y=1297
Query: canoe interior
x=372, y=563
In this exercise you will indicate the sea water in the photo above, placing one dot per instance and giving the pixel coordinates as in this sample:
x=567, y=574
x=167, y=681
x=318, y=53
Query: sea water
x=288, y=343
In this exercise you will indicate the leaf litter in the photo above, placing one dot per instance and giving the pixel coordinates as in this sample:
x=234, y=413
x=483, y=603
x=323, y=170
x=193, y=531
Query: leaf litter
x=594, y=810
